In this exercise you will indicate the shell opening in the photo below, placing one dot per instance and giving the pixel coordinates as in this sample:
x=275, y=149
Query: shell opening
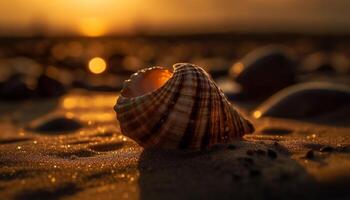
x=145, y=81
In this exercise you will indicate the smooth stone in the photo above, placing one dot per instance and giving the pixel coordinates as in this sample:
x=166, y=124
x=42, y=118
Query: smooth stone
x=50, y=87
x=57, y=125
x=16, y=88
x=264, y=71
x=305, y=101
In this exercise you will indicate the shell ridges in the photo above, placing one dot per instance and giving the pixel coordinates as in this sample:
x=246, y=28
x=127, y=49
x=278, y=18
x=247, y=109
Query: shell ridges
x=186, y=111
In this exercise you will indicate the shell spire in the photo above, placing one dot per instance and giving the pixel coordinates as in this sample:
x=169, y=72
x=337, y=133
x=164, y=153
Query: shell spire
x=183, y=109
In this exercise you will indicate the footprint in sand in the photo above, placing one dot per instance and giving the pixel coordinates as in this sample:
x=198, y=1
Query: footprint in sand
x=77, y=142
x=276, y=131
x=107, y=146
x=72, y=155
x=14, y=140
x=57, y=192
x=106, y=134
x=17, y=174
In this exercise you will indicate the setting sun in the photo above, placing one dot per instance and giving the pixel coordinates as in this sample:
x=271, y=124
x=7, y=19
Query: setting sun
x=97, y=65
x=92, y=27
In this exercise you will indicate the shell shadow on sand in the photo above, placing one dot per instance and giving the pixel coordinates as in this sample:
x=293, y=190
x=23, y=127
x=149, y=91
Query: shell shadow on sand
x=226, y=172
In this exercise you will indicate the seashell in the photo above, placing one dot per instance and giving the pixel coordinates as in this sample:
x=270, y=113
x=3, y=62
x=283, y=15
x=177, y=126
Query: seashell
x=264, y=71
x=183, y=109
x=305, y=101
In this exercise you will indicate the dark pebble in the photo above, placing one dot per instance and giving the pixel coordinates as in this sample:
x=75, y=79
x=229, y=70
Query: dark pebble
x=285, y=176
x=260, y=152
x=236, y=177
x=231, y=147
x=59, y=124
x=49, y=87
x=250, y=152
x=16, y=88
x=310, y=154
x=246, y=161
x=326, y=149
x=272, y=154
x=276, y=131
x=255, y=173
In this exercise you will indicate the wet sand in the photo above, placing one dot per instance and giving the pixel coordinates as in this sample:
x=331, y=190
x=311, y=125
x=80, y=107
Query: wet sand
x=286, y=159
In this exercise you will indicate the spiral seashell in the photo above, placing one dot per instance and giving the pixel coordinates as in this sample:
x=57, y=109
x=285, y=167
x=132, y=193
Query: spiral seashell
x=183, y=109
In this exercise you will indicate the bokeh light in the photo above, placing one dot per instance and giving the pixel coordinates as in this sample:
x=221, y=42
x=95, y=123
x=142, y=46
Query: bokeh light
x=97, y=65
x=257, y=114
x=237, y=68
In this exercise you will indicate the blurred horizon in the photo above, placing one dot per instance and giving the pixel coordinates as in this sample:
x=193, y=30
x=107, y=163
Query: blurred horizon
x=156, y=17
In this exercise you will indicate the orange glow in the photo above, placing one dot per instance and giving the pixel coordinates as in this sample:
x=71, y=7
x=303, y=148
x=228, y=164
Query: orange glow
x=82, y=102
x=97, y=116
x=67, y=16
x=237, y=68
x=146, y=82
x=97, y=65
x=92, y=27
x=257, y=114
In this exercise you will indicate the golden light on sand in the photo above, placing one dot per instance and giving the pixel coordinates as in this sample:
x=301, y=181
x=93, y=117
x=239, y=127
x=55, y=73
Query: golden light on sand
x=93, y=27
x=97, y=65
x=99, y=116
x=83, y=102
x=257, y=114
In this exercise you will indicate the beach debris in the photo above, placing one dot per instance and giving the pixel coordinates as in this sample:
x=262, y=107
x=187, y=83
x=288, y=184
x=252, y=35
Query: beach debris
x=254, y=173
x=260, y=152
x=276, y=131
x=272, y=154
x=250, y=152
x=305, y=100
x=310, y=154
x=264, y=71
x=326, y=149
x=231, y=147
x=183, y=109
x=246, y=161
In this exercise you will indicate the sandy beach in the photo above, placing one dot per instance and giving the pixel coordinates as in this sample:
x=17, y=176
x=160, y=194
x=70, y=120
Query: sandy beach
x=283, y=159
x=174, y=100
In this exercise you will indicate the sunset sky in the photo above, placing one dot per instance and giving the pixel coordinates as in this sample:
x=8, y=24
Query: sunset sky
x=106, y=17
